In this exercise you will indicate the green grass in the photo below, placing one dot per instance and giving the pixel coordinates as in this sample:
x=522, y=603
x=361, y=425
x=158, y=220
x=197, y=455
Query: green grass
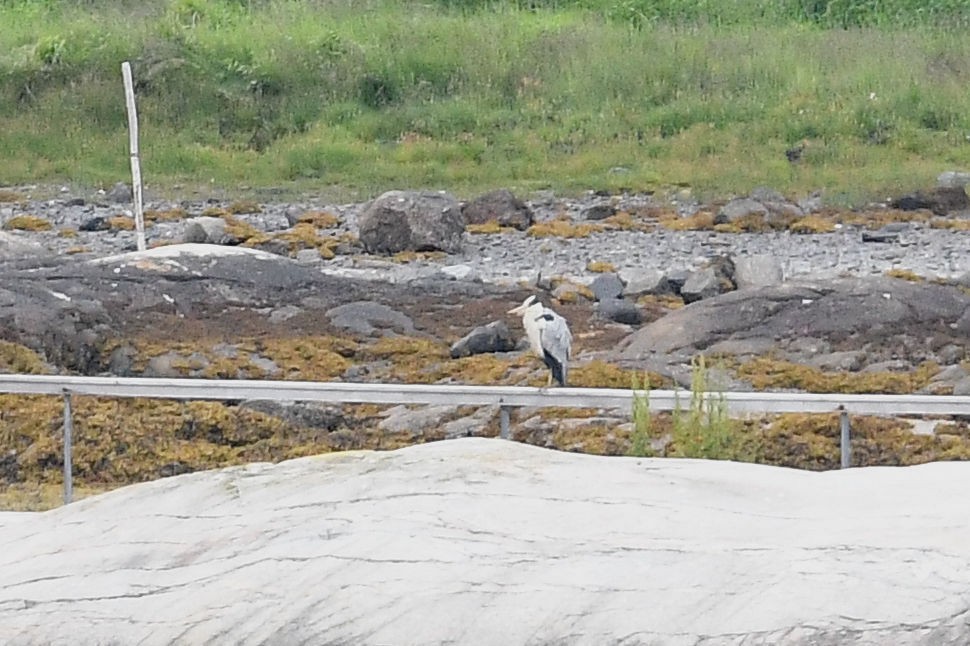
x=642, y=420
x=366, y=96
x=704, y=429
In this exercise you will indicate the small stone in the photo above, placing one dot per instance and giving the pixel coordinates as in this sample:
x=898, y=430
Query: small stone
x=599, y=212
x=494, y=337
x=606, y=287
x=119, y=193
x=459, y=272
x=97, y=223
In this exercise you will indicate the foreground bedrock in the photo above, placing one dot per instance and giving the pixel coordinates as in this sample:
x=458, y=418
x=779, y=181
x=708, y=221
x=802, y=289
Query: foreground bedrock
x=484, y=541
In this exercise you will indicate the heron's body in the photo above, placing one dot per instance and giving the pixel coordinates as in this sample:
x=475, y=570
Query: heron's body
x=549, y=337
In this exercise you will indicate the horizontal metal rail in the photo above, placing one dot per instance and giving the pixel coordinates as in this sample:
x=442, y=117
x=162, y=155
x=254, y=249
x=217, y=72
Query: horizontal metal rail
x=456, y=394
x=506, y=397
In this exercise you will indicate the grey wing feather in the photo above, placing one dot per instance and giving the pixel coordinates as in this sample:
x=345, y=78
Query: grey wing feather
x=556, y=337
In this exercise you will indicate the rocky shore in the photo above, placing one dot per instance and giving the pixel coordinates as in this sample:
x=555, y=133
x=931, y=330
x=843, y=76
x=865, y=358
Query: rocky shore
x=777, y=293
x=865, y=247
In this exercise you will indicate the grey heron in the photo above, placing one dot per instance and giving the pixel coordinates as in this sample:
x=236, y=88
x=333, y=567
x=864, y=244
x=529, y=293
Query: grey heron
x=549, y=337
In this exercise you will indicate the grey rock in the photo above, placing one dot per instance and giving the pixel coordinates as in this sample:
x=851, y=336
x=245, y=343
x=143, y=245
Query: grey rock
x=165, y=365
x=896, y=227
x=120, y=193
x=264, y=364
x=280, y=314
x=700, y=284
x=757, y=270
x=962, y=387
x=881, y=235
x=848, y=361
x=811, y=203
x=500, y=206
x=951, y=354
x=365, y=317
x=205, y=230
x=878, y=308
x=293, y=213
x=314, y=415
x=644, y=281
x=97, y=223
x=941, y=200
x=677, y=278
x=742, y=347
x=738, y=208
x=569, y=291
x=950, y=374
x=307, y=256
x=962, y=324
x=289, y=546
x=599, y=211
x=619, y=311
x=890, y=365
x=806, y=346
x=415, y=421
x=122, y=360
x=460, y=272
x=292, y=553
x=606, y=287
x=494, y=337
x=412, y=221
x=474, y=425
x=953, y=179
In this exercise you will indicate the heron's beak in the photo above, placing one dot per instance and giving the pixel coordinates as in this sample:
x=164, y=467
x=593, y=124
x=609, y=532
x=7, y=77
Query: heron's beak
x=516, y=310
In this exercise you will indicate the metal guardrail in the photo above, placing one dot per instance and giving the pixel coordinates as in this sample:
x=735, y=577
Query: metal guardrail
x=457, y=394
x=506, y=397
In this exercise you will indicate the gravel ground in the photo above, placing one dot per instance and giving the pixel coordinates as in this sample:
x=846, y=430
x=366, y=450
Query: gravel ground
x=513, y=257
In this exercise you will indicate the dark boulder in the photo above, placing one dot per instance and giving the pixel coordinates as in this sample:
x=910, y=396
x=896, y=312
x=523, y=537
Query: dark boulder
x=494, y=337
x=940, y=200
x=500, y=206
x=97, y=223
x=412, y=221
x=599, y=211
x=619, y=311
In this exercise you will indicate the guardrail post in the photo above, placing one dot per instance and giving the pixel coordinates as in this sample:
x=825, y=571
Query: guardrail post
x=845, y=447
x=504, y=421
x=68, y=432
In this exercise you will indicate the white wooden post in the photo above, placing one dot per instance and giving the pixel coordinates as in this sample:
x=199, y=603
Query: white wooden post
x=135, y=164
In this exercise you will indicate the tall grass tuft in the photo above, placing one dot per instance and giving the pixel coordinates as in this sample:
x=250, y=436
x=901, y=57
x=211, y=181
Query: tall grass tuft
x=704, y=429
x=642, y=423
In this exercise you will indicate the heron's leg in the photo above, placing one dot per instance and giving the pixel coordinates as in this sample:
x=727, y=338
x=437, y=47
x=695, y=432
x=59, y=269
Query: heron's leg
x=549, y=383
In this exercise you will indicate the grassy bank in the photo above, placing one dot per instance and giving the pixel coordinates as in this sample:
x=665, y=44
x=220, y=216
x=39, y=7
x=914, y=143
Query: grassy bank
x=360, y=97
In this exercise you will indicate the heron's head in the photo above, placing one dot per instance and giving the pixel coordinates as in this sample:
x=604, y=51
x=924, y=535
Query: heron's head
x=524, y=306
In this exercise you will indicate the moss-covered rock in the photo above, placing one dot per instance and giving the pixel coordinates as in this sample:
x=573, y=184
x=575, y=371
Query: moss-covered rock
x=27, y=223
